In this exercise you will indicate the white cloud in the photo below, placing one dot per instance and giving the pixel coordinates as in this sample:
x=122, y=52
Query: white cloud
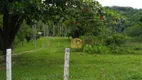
x=131, y=3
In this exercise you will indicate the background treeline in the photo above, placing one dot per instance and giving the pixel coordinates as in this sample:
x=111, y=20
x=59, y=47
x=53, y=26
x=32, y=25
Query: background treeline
x=133, y=20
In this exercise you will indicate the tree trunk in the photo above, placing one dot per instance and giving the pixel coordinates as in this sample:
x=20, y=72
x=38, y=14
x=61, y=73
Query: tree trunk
x=11, y=25
x=76, y=34
x=6, y=45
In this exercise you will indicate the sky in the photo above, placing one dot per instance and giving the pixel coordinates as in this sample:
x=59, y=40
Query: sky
x=131, y=3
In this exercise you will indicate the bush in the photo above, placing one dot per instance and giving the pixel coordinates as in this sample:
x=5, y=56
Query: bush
x=88, y=49
x=117, y=39
x=120, y=49
x=116, y=49
x=138, y=38
x=135, y=39
x=95, y=49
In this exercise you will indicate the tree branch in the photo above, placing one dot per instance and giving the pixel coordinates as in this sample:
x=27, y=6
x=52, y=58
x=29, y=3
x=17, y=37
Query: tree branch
x=18, y=24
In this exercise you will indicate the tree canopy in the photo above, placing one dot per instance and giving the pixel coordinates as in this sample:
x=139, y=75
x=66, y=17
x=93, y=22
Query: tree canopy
x=13, y=12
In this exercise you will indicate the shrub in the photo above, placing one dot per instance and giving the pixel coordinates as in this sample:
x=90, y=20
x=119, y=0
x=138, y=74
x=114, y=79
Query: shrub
x=138, y=38
x=88, y=49
x=120, y=49
x=95, y=49
x=116, y=49
x=117, y=39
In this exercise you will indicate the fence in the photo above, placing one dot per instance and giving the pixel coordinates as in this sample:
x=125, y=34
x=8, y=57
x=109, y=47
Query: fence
x=66, y=64
x=9, y=65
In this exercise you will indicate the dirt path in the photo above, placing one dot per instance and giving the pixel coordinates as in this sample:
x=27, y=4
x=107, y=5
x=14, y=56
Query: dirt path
x=2, y=62
x=25, y=52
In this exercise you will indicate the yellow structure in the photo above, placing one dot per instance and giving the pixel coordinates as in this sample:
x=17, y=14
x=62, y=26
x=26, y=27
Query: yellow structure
x=76, y=43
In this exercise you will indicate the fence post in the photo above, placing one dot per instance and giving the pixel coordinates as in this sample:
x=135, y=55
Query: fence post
x=66, y=63
x=8, y=65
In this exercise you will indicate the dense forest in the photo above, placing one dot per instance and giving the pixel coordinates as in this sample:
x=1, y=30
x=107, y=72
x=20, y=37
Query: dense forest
x=133, y=20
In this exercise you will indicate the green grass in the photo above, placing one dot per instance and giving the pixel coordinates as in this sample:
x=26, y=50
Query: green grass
x=28, y=46
x=48, y=64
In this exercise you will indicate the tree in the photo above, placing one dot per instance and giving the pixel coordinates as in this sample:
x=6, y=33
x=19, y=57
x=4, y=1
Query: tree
x=15, y=11
x=78, y=16
x=21, y=34
x=25, y=32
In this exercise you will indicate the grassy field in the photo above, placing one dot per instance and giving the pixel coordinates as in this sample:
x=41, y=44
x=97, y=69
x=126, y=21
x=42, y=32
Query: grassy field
x=48, y=63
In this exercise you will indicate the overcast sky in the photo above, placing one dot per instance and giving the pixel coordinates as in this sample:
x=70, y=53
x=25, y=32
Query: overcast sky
x=131, y=3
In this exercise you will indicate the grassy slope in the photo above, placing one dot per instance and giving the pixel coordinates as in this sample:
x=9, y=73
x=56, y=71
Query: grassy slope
x=47, y=64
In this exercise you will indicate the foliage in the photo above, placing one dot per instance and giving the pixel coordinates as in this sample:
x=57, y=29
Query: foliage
x=138, y=38
x=135, y=30
x=117, y=39
x=95, y=49
x=25, y=32
x=21, y=33
x=79, y=15
x=92, y=40
x=122, y=49
x=14, y=12
x=132, y=20
x=89, y=40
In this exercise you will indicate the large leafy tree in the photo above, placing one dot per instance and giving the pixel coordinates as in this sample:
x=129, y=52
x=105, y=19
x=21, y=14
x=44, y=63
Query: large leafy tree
x=77, y=15
x=13, y=13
